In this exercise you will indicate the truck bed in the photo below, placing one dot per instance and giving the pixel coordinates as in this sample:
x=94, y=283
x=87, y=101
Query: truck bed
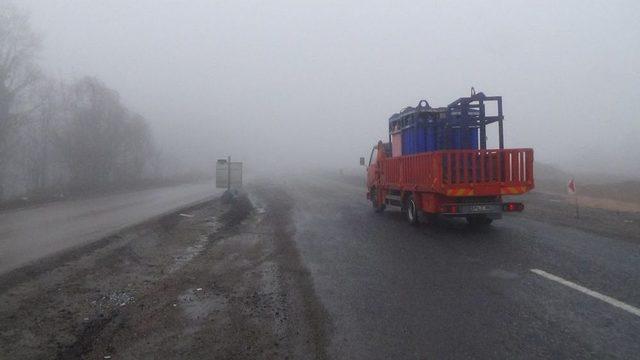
x=461, y=172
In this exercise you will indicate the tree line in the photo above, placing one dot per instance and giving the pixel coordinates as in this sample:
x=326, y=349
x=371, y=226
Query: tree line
x=57, y=135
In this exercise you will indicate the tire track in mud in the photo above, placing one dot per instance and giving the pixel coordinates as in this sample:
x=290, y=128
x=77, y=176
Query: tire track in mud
x=299, y=291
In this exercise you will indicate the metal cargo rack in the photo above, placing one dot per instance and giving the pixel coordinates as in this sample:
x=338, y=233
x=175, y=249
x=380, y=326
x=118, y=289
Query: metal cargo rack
x=463, y=113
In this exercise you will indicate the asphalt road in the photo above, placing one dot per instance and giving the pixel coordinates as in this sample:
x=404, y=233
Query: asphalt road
x=34, y=233
x=352, y=284
x=448, y=291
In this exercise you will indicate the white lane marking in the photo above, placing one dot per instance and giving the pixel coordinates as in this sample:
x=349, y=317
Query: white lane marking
x=595, y=294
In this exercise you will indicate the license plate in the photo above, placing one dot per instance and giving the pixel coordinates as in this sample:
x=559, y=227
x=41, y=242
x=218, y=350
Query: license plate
x=480, y=208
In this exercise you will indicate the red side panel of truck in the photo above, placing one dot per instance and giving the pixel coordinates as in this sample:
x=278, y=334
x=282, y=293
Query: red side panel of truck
x=460, y=172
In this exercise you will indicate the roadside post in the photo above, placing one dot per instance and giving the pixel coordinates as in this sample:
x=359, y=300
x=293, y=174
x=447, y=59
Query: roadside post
x=229, y=173
x=571, y=190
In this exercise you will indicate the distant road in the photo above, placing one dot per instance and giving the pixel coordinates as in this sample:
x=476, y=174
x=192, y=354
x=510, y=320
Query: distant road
x=33, y=233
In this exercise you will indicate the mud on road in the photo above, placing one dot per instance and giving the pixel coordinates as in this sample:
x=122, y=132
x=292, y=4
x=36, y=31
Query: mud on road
x=219, y=280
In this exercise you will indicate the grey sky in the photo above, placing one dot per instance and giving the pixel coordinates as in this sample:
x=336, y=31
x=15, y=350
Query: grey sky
x=316, y=81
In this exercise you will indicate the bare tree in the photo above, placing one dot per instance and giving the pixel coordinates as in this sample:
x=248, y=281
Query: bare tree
x=18, y=48
x=39, y=133
x=54, y=135
x=137, y=151
x=104, y=144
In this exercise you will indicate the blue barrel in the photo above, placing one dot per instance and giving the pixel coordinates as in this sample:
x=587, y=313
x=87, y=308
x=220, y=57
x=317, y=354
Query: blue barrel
x=421, y=138
x=414, y=139
x=408, y=141
x=431, y=139
x=473, y=138
x=455, y=138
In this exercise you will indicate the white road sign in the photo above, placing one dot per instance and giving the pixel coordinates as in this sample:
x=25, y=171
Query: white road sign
x=223, y=173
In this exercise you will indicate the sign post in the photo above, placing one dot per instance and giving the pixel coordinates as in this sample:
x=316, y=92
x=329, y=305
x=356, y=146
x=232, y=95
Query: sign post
x=228, y=174
x=571, y=189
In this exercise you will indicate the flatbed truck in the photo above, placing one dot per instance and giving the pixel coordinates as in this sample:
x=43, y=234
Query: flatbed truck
x=448, y=171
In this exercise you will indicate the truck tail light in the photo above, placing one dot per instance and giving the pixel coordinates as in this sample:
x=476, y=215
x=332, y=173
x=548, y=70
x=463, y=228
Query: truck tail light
x=512, y=207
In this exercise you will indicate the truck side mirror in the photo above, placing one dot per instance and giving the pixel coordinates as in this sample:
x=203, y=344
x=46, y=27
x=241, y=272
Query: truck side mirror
x=362, y=161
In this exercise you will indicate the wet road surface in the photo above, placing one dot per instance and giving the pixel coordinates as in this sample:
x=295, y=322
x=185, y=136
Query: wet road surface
x=33, y=233
x=352, y=284
x=449, y=291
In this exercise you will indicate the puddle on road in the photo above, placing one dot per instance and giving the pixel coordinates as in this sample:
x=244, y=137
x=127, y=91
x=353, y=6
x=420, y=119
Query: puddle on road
x=197, y=304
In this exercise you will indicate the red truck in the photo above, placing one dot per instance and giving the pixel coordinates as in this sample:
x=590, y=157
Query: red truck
x=436, y=163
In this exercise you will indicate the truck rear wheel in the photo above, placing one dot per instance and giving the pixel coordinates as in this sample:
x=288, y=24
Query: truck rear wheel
x=481, y=220
x=411, y=210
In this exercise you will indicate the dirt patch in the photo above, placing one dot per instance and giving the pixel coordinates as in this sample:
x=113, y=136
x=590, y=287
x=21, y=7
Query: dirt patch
x=614, y=196
x=218, y=280
x=556, y=209
x=606, y=204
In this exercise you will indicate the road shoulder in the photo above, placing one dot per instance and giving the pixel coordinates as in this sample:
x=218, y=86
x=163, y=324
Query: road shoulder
x=222, y=280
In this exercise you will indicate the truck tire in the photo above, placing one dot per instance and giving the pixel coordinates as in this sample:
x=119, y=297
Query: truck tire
x=481, y=220
x=411, y=210
x=374, y=201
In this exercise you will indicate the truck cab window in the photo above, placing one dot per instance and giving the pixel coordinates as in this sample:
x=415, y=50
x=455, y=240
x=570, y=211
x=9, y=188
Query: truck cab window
x=374, y=156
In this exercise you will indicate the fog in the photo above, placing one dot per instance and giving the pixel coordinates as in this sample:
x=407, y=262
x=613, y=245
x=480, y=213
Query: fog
x=311, y=84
